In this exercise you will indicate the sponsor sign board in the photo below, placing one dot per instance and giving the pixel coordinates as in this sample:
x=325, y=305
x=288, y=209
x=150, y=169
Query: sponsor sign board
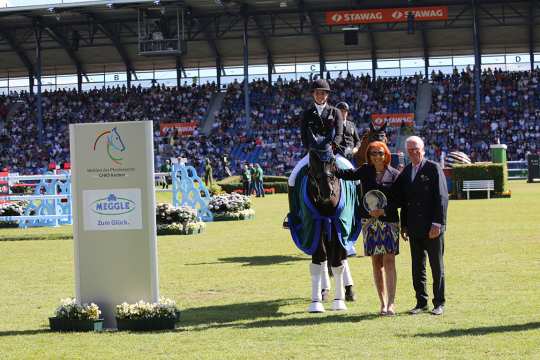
x=394, y=120
x=392, y=15
x=114, y=214
x=183, y=128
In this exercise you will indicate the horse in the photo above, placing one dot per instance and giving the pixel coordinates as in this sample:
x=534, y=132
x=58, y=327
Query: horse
x=326, y=205
x=375, y=133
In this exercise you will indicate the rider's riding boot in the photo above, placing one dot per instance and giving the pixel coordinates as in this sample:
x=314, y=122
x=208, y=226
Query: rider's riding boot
x=339, y=299
x=290, y=215
x=316, y=305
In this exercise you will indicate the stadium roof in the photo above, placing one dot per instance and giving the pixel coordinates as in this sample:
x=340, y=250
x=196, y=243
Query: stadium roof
x=282, y=31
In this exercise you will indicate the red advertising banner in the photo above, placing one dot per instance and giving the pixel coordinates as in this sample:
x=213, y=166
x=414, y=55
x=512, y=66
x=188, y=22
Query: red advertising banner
x=4, y=187
x=184, y=128
x=394, y=120
x=369, y=16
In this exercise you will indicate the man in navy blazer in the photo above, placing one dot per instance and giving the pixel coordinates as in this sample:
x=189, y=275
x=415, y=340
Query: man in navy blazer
x=424, y=202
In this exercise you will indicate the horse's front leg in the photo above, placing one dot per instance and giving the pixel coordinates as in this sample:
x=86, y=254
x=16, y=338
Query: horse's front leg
x=320, y=282
x=337, y=256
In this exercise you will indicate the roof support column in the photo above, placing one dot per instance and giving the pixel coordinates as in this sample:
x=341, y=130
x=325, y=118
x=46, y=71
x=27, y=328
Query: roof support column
x=38, y=102
x=128, y=79
x=79, y=80
x=477, y=59
x=373, y=53
x=246, y=73
x=425, y=45
x=218, y=72
x=270, y=67
x=178, y=73
x=31, y=83
x=531, y=32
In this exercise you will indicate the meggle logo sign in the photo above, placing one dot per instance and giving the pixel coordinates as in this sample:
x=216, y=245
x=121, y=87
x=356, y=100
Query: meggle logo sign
x=112, y=209
x=112, y=205
x=114, y=143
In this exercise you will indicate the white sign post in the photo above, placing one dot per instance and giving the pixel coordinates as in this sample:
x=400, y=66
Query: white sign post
x=114, y=220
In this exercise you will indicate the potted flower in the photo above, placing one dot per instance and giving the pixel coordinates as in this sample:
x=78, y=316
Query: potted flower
x=143, y=316
x=231, y=207
x=182, y=220
x=12, y=208
x=71, y=316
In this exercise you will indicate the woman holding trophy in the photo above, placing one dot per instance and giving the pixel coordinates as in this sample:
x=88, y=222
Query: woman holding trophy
x=380, y=220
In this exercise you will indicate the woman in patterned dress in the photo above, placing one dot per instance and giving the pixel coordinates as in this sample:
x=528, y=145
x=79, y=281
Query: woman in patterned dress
x=380, y=227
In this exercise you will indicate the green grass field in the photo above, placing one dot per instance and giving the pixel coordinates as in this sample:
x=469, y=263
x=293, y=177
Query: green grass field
x=243, y=288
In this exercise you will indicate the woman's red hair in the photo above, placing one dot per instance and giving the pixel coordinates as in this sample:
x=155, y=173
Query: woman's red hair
x=376, y=145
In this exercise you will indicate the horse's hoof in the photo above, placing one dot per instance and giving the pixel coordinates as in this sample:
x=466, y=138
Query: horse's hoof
x=316, y=307
x=349, y=293
x=338, y=305
x=325, y=294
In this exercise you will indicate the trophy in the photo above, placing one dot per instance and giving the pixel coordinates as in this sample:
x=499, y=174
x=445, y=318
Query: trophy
x=374, y=199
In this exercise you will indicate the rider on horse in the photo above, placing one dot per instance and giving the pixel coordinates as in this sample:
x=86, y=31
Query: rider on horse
x=321, y=130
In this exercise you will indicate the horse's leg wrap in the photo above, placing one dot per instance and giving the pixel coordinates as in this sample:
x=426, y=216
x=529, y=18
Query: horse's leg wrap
x=316, y=297
x=325, y=281
x=347, y=277
x=339, y=299
x=348, y=282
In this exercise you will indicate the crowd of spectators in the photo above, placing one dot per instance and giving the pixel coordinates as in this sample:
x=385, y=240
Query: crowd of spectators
x=509, y=115
x=276, y=110
x=22, y=152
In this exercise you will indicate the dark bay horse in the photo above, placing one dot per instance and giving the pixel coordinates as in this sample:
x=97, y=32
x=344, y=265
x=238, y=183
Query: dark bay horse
x=324, y=191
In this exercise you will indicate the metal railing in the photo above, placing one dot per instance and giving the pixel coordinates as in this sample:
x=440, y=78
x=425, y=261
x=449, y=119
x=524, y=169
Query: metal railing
x=517, y=170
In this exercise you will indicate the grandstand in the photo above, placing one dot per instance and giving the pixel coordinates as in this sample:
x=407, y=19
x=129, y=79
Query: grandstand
x=209, y=63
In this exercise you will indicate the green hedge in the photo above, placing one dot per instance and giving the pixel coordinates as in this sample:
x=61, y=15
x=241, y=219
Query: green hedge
x=229, y=180
x=480, y=171
x=281, y=187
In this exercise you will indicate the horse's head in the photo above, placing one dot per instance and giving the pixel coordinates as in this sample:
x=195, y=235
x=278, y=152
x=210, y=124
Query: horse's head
x=324, y=185
x=377, y=133
x=116, y=141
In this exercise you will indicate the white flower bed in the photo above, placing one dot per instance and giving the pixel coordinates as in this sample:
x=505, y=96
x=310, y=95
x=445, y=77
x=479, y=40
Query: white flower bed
x=229, y=203
x=163, y=309
x=70, y=309
x=181, y=220
x=12, y=208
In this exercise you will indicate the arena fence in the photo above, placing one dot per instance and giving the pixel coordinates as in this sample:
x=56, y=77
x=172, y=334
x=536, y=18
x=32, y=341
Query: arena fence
x=517, y=170
x=50, y=203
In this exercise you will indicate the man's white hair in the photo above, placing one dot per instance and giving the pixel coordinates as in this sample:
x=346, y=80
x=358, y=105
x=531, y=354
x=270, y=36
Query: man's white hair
x=415, y=139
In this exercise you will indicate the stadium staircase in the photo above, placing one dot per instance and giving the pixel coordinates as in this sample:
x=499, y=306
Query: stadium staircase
x=238, y=153
x=423, y=102
x=423, y=106
x=215, y=106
